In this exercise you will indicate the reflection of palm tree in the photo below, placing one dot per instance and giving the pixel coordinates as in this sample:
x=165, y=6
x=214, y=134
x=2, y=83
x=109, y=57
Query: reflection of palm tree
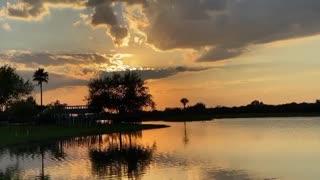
x=184, y=101
x=131, y=158
x=185, y=137
x=42, y=174
x=40, y=76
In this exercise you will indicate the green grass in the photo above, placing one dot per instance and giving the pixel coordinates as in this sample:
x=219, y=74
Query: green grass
x=13, y=135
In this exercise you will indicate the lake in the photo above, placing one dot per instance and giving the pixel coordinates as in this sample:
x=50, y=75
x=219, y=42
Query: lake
x=226, y=149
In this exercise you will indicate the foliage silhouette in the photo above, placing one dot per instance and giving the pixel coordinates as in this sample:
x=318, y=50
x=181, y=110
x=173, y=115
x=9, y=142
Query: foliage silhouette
x=23, y=110
x=40, y=76
x=13, y=86
x=120, y=93
x=184, y=102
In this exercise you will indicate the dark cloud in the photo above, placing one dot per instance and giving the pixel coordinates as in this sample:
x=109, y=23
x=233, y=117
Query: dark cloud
x=62, y=80
x=35, y=9
x=80, y=65
x=226, y=27
x=56, y=80
x=26, y=10
x=229, y=25
x=158, y=73
x=47, y=59
x=219, y=53
x=104, y=14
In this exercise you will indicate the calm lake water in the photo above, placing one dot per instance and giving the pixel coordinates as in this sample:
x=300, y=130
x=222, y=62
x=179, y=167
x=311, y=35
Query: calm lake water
x=261, y=148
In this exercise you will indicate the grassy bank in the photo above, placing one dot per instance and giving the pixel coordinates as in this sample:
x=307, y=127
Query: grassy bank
x=12, y=135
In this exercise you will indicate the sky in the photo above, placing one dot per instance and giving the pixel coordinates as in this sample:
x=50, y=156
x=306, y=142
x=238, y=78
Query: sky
x=219, y=52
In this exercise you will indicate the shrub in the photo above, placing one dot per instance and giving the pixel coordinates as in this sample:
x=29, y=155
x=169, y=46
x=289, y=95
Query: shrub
x=23, y=110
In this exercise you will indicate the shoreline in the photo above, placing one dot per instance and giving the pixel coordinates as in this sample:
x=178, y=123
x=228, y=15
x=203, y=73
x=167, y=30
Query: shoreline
x=17, y=135
x=190, y=118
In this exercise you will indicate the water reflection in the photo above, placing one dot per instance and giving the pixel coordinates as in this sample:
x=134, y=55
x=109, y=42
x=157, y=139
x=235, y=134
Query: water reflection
x=224, y=150
x=185, y=135
x=114, y=155
x=11, y=172
x=122, y=157
x=130, y=161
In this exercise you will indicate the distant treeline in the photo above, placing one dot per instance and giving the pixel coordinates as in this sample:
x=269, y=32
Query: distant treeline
x=254, y=109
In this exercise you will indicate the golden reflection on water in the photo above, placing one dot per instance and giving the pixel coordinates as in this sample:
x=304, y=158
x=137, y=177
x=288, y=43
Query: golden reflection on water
x=285, y=148
x=269, y=148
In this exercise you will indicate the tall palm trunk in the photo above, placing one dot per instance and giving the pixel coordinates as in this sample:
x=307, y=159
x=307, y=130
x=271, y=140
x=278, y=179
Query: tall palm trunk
x=41, y=92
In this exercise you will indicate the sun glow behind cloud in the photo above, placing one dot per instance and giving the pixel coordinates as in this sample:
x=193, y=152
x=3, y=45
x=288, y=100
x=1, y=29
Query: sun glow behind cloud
x=252, y=46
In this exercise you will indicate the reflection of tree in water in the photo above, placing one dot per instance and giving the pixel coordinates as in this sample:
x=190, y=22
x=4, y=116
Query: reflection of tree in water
x=12, y=172
x=123, y=157
x=35, y=151
x=115, y=154
x=56, y=149
x=185, y=136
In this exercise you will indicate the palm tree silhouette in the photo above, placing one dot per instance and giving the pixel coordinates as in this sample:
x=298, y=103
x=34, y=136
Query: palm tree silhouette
x=40, y=76
x=184, y=101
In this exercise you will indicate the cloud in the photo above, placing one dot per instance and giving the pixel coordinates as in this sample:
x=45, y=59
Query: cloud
x=147, y=74
x=55, y=80
x=64, y=80
x=84, y=65
x=6, y=26
x=229, y=26
x=105, y=13
x=37, y=9
x=77, y=69
x=219, y=53
x=2, y=12
x=26, y=10
x=84, y=19
x=31, y=59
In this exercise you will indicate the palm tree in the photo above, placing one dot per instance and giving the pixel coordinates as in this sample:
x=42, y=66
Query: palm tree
x=40, y=76
x=184, y=101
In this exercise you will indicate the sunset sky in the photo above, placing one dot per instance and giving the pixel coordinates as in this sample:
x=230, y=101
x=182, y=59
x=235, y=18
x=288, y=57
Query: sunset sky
x=220, y=52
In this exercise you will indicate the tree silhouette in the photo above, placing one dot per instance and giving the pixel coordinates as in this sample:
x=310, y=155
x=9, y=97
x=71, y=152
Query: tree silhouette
x=23, y=110
x=256, y=103
x=13, y=87
x=40, y=76
x=120, y=93
x=184, y=101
